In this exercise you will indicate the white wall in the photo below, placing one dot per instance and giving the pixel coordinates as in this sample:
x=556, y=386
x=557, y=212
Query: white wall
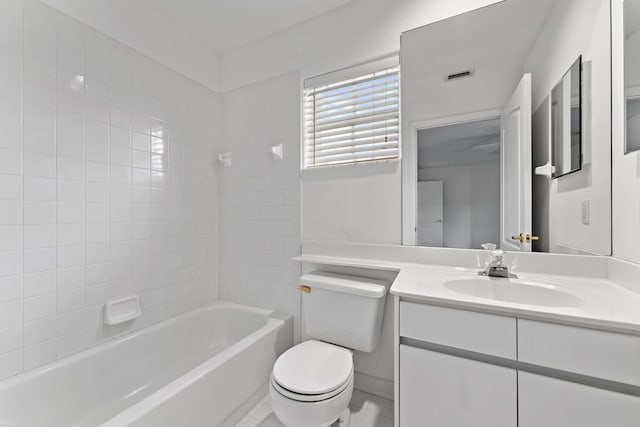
x=471, y=203
x=352, y=204
x=360, y=31
x=626, y=168
x=579, y=27
x=259, y=196
x=83, y=218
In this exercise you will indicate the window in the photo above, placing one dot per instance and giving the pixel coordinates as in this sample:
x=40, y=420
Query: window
x=351, y=116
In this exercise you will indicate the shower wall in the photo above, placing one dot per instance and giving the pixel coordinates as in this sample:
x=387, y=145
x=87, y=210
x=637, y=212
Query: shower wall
x=107, y=186
x=260, y=196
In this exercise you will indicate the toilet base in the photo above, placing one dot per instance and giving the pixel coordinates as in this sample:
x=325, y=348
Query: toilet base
x=345, y=418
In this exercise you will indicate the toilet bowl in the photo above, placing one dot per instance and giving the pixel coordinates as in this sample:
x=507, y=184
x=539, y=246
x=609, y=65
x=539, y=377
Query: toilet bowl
x=311, y=385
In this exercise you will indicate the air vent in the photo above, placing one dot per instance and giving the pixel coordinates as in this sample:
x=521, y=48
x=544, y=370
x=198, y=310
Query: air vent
x=460, y=75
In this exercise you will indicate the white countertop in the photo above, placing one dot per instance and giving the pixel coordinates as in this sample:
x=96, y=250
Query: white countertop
x=604, y=304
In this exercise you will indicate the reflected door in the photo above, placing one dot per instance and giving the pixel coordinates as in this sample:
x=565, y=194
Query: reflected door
x=430, y=213
x=515, y=170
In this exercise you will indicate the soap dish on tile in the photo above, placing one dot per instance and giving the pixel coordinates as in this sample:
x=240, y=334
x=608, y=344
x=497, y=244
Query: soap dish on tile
x=122, y=310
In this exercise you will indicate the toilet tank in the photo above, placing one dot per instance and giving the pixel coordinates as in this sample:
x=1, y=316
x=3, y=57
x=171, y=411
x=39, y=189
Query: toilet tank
x=343, y=310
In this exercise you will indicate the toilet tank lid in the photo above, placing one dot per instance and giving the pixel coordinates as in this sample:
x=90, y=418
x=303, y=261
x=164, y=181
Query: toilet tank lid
x=354, y=285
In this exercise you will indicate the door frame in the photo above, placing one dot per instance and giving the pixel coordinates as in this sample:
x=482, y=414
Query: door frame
x=410, y=164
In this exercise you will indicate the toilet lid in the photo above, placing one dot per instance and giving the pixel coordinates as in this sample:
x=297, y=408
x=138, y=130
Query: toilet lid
x=313, y=367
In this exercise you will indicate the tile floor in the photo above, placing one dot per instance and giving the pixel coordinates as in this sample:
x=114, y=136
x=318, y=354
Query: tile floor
x=367, y=410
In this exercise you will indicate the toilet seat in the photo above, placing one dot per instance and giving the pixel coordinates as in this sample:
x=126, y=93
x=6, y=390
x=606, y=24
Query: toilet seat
x=310, y=398
x=313, y=371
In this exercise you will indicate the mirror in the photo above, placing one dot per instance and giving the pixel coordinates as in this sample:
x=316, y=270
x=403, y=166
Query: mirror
x=632, y=73
x=566, y=122
x=506, y=135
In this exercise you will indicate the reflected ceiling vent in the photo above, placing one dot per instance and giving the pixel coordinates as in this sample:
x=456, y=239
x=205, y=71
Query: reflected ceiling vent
x=460, y=75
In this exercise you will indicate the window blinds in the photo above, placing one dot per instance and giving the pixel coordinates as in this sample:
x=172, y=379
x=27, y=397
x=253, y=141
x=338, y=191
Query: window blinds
x=354, y=119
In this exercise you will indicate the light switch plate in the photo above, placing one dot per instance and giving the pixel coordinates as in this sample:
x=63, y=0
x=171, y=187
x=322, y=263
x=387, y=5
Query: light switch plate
x=586, y=212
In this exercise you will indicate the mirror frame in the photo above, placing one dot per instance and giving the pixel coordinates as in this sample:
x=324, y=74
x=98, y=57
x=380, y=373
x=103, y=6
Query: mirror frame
x=625, y=135
x=581, y=121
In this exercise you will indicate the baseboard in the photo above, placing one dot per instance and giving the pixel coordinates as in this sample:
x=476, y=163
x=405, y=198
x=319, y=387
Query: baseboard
x=373, y=385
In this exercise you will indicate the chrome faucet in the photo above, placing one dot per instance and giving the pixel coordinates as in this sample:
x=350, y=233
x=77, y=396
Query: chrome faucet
x=496, y=267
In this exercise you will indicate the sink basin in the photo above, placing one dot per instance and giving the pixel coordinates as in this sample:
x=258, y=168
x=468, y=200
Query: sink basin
x=518, y=291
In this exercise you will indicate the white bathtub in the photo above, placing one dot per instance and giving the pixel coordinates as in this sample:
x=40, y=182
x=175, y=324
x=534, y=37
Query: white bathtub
x=199, y=369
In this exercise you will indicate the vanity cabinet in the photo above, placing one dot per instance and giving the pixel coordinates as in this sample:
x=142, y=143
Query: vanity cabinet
x=447, y=391
x=459, y=368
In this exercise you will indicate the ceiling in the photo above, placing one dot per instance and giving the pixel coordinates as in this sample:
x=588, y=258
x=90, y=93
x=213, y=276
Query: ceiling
x=228, y=24
x=220, y=24
x=459, y=145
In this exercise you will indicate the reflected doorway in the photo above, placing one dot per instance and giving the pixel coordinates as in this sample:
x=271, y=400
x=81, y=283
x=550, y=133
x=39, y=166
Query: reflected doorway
x=458, y=188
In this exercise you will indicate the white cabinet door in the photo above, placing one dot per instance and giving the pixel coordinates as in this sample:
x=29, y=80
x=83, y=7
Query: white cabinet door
x=439, y=390
x=550, y=402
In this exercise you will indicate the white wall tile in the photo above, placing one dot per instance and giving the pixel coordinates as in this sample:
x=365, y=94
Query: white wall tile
x=70, y=256
x=39, y=141
x=10, y=288
x=36, y=260
x=10, y=339
x=97, y=151
x=39, y=165
x=70, y=300
x=39, y=354
x=80, y=205
x=40, y=330
x=71, y=343
x=70, y=190
x=10, y=187
x=36, y=284
x=10, y=314
x=39, y=307
x=69, y=168
x=10, y=161
x=97, y=192
x=10, y=237
x=97, y=274
x=39, y=236
x=70, y=278
x=11, y=363
x=39, y=189
x=97, y=171
x=70, y=234
x=70, y=213
x=11, y=212
x=11, y=263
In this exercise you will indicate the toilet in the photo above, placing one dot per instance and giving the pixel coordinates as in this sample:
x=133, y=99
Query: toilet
x=311, y=383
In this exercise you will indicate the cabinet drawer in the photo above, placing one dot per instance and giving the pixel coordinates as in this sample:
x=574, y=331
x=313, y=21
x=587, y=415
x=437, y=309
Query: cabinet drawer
x=551, y=402
x=467, y=330
x=600, y=354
